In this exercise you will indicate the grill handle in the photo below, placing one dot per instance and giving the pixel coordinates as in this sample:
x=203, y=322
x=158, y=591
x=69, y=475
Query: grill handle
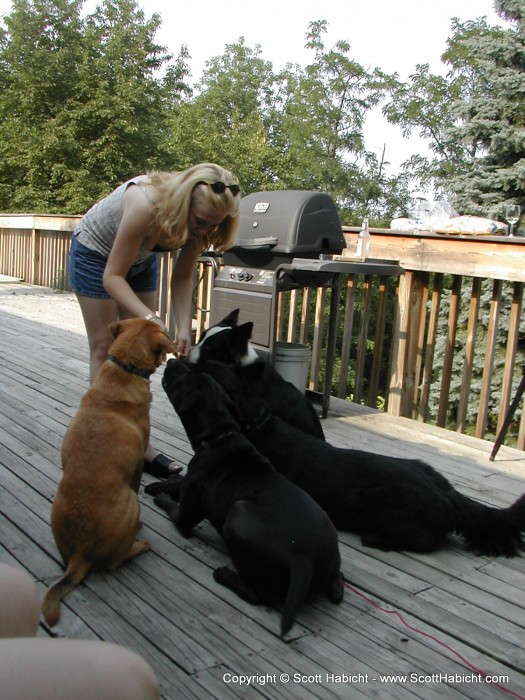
x=268, y=242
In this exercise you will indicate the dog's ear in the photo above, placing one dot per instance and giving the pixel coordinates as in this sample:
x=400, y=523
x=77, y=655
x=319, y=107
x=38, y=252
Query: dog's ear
x=240, y=341
x=115, y=328
x=244, y=332
x=165, y=345
x=231, y=319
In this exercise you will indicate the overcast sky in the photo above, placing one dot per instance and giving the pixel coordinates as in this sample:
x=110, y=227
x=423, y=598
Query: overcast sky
x=394, y=35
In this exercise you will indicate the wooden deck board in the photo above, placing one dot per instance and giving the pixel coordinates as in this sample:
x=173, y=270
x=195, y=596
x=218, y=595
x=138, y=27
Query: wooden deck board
x=165, y=604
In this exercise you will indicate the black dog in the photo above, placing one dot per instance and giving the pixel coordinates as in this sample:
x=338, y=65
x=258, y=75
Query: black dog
x=282, y=544
x=393, y=503
x=229, y=343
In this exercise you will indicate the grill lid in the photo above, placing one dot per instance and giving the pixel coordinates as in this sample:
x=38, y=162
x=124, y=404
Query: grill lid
x=286, y=223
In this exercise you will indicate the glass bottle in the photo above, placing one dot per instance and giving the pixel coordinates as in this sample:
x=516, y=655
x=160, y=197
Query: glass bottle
x=363, y=241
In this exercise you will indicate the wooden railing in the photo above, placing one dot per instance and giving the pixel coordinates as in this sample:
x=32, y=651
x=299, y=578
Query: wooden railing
x=459, y=307
x=440, y=344
x=35, y=248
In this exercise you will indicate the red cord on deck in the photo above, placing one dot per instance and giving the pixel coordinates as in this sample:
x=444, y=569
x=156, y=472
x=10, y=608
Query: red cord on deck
x=434, y=639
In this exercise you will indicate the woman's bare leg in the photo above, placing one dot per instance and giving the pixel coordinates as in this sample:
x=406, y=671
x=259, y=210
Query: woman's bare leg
x=19, y=603
x=97, y=315
x=62, y=669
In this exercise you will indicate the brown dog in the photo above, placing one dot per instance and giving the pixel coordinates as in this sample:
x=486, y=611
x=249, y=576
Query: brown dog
x=95, y=514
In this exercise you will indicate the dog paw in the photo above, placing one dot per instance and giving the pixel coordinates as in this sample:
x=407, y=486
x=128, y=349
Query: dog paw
x=336, y=589
x=378, y=542
x=163, y=501
x=154, y=488
x=230, y=579
x=225, y=576
x=139, y=547
x=170, y=486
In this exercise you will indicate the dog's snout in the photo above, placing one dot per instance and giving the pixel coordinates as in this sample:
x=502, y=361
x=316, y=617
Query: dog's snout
x=174, y=372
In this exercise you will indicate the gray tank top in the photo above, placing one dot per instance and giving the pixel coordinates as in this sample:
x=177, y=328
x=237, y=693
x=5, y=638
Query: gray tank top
x=98, y=227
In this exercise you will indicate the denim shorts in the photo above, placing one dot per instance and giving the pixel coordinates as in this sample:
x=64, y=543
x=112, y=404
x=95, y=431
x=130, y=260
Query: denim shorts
x=86, y=268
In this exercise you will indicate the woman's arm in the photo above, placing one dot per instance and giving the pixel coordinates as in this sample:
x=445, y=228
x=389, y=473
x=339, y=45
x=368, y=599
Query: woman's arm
x=181, y=288
x=132, y=231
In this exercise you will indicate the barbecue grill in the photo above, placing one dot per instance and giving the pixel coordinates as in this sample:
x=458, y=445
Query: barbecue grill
x=287, y=239
x=275, y=229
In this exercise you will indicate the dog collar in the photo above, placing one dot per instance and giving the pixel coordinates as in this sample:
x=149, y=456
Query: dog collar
x=257, y=422
x=215, y=440
x=132, y=369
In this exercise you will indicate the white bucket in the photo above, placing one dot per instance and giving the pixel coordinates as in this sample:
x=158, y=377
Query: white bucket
x=291, y=361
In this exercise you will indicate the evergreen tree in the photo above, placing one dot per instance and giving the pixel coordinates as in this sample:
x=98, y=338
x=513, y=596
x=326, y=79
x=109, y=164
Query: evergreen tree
x=491, y=119
x=474, y=117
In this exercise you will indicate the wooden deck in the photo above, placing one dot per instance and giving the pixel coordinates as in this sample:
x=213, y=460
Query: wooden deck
x=438, y=620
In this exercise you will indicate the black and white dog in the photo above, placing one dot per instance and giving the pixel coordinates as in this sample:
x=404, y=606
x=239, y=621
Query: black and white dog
x=229, y=343
x=393, y=503
x=283, y=545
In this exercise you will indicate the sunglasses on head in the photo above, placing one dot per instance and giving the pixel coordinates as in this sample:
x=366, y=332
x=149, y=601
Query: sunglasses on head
x=220, y=187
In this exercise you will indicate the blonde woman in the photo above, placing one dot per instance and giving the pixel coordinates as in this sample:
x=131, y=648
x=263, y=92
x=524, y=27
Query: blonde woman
x=113, y=264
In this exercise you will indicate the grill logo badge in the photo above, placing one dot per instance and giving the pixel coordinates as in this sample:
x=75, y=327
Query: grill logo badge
x=261, y=207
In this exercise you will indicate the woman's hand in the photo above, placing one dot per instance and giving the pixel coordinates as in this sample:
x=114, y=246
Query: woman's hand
x=181, y=294
x=183, y=342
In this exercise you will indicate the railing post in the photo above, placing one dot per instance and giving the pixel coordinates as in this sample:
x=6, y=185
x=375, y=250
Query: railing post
x=431, y=339
x=34, y=272
x=347, y=336
x=400, y=344
x=448, y=359
x=510, y=355
x=415, y=341
x=488, y=368
x=317, y=337
x=407, y=344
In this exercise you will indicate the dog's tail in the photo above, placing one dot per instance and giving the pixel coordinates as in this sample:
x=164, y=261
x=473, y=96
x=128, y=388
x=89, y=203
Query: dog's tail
x=75, y=573
x=298, y=589
x=488, y=530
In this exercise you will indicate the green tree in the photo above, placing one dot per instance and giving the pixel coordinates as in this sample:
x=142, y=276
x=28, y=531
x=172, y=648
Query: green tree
x=423, y=105
x=322, y=141
x=227, y=120
x=297, y=129
x=39, y=55
x=120, y=117
x=88, y=102
x=491, y=62
x=84, y=105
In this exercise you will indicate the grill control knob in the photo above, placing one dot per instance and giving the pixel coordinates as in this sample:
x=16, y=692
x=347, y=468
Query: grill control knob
x=248, y=276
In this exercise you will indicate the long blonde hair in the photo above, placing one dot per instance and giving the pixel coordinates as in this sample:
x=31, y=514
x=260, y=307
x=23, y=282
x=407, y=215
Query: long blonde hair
x=172, y=209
